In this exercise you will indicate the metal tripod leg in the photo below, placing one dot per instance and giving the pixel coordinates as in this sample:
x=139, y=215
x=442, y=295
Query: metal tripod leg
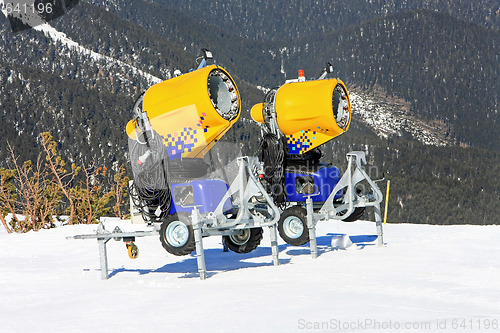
x=312, y=228
x=200, y=253
x=274, y=244
x=378, y=221
x=103, y=257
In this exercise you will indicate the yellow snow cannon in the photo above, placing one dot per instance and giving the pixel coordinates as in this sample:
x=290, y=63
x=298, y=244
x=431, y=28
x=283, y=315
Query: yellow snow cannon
x=192, y=111
x=307, y=113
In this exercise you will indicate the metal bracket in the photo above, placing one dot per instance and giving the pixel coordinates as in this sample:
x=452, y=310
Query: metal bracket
x=354, y=174
x=246, y=185
x=103, y=236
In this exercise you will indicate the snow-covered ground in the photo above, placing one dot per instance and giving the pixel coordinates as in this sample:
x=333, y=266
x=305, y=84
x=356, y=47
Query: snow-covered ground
x=425, y=279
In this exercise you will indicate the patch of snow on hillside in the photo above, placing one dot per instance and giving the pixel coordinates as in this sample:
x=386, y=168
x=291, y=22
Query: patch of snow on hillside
x=61, y=37
x=387, y=121
x=264, y=89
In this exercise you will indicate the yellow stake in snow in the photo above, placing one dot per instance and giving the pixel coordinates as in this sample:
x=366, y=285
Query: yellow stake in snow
x=386, y=201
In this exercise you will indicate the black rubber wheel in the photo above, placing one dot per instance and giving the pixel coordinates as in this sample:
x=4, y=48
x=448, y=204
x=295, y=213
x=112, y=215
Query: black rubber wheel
x=245, y=242
x=292, y=226
x=355, y=215
x=177, y=235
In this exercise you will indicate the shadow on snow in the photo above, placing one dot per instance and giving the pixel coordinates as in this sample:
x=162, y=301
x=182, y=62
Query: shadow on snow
x=219, y=261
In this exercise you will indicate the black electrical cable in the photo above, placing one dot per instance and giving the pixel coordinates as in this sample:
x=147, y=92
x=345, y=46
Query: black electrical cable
x=151, y=189
x=272, y=154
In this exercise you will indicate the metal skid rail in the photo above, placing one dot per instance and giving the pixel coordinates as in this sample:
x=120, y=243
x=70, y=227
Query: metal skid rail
x=103, y=236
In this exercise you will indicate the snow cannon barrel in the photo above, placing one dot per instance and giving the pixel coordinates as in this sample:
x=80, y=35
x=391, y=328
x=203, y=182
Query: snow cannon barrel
x=308, y=113
x=192, y=111
x=322, y=106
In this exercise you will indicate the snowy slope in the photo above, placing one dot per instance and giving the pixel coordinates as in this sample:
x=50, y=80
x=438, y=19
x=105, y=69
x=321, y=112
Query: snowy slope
x=61, y=37
x=426, y=277
x=387, y=120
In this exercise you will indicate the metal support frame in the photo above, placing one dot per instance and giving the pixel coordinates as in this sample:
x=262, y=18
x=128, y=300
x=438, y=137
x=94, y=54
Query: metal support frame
x=311, y=225
x=103, y=236
x=378, y=221
x=245, y=185
x=103, y=257
x=351, y=177
x=214, y=223
x=274, y=244
x=200, y=253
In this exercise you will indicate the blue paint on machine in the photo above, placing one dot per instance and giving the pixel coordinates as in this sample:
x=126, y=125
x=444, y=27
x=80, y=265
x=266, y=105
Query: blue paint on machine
x=317, y=181
x=206, y=194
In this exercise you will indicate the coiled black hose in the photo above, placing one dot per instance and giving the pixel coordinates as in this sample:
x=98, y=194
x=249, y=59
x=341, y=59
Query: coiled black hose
x=272, y=154
x=150, y=191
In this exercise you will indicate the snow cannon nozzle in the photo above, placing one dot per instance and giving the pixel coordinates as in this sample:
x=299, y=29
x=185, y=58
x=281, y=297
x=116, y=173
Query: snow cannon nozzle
x=190, y=111
x=308, y=113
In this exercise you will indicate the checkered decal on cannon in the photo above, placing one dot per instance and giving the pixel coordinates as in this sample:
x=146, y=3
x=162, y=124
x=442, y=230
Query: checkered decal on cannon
x=181, y=142
x=299, y=143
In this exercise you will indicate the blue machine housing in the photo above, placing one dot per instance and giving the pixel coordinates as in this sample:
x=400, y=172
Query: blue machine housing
x=317, y=181
x=206, y=194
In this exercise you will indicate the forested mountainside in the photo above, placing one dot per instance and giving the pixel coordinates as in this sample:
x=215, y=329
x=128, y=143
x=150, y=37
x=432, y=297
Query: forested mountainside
x=429, y=184
x=446, y=69
x=278, y=20
x=251, y=61
x=435, y=64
